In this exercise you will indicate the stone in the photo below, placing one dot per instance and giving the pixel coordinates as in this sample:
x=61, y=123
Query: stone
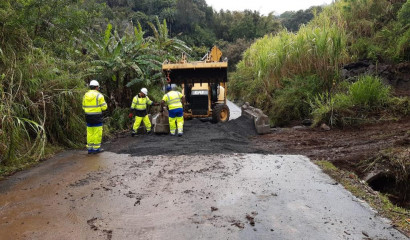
x=324, y=127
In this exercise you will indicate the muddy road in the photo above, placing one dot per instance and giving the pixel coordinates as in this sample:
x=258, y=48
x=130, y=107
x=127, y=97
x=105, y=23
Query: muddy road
x=213, y=183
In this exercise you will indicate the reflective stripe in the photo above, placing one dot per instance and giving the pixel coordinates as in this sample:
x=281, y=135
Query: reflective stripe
x=90, y=106
x=140, y=103
x=173, y=100
x=93, y=103
x=93, y=113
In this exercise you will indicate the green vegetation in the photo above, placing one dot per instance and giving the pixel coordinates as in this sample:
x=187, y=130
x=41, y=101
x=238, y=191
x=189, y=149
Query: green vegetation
x=292, y=20
x=278, y=66
x=50, y=49
x=39, y=91
x=361, y=100
x=293, y=76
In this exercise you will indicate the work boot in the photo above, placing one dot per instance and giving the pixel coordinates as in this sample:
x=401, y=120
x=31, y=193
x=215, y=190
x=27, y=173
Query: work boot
x=172, y=134
x=90, y=152
x=180, y=134
x=133, y=133
x=99, y=151
x=149, y=132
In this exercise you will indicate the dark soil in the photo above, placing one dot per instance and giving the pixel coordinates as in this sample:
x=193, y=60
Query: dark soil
x=345, y=148
x=200, y=137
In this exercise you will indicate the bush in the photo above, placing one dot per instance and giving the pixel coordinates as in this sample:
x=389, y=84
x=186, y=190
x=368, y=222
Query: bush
x=118, y=120
x=291, y=101
x=366, y=96
x=403, y=47
x=369, y=91
x=404, y=14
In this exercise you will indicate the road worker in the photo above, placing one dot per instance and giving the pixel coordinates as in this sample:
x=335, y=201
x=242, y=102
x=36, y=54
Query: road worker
x=174, y=100
x=139, y=108
x=94, y=104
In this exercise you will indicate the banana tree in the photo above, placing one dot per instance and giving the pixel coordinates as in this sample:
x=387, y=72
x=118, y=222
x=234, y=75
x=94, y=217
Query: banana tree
x=123, y=62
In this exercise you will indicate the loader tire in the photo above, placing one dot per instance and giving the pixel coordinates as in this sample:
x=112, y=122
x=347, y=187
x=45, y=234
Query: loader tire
x=220, y=113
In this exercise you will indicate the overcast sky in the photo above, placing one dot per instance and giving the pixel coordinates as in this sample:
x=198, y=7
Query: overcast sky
x=265, y=6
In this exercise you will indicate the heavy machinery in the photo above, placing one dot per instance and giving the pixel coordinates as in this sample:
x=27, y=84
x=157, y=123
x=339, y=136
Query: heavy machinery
x=203, y=85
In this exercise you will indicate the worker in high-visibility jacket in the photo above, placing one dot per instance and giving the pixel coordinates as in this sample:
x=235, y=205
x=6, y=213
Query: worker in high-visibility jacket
x=139, y=108
x=174, y=101
x=94, y=104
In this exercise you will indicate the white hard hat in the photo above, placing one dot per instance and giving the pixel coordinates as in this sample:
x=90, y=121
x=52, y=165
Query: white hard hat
x=144, y=91
x=94, y=83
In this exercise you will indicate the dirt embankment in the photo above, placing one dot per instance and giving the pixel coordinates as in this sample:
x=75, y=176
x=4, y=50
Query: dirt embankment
x=396, y=75
x=343, y=147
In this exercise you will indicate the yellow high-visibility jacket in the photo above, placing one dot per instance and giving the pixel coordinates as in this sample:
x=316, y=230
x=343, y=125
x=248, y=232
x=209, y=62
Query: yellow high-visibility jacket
x=173, y=100
x=94, y=104
x=140, y=104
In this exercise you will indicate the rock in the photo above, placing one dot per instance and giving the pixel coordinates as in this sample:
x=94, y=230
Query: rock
x=307, y=122
x=324, y=127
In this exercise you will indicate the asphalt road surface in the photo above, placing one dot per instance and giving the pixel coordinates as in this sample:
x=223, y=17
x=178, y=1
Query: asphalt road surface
x=132, y=194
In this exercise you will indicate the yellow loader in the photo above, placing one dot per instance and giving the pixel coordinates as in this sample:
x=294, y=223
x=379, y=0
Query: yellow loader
x=204, y=86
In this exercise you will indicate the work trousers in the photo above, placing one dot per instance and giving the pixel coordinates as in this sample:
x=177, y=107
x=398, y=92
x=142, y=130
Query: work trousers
x=94, y=137
x=176, y=115
x=138, y=121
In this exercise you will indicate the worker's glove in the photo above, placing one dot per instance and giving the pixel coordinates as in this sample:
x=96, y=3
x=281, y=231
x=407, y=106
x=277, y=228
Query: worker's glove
x=130, y=115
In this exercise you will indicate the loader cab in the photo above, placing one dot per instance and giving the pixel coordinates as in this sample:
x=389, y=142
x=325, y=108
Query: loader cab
x=201, y=99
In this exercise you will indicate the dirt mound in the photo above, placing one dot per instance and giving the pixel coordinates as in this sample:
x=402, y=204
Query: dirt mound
x=200, y=137
x=242, y=126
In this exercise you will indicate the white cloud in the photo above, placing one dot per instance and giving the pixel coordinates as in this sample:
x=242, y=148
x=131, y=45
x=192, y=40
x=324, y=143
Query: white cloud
x=265, y=6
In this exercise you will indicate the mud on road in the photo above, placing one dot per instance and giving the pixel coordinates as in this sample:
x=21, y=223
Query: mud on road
x=200, y=137
x=218, y=181
x=234, y=196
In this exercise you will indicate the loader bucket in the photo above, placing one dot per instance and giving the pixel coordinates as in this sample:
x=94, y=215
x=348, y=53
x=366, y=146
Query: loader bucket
x=260, y=120
x=160, y=122
x=196, y=72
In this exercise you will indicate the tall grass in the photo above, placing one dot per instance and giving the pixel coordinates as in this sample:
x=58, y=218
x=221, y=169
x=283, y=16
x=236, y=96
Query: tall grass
x=39, y=103
x=269, y=76
x=313, y=50
x=39, y=98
